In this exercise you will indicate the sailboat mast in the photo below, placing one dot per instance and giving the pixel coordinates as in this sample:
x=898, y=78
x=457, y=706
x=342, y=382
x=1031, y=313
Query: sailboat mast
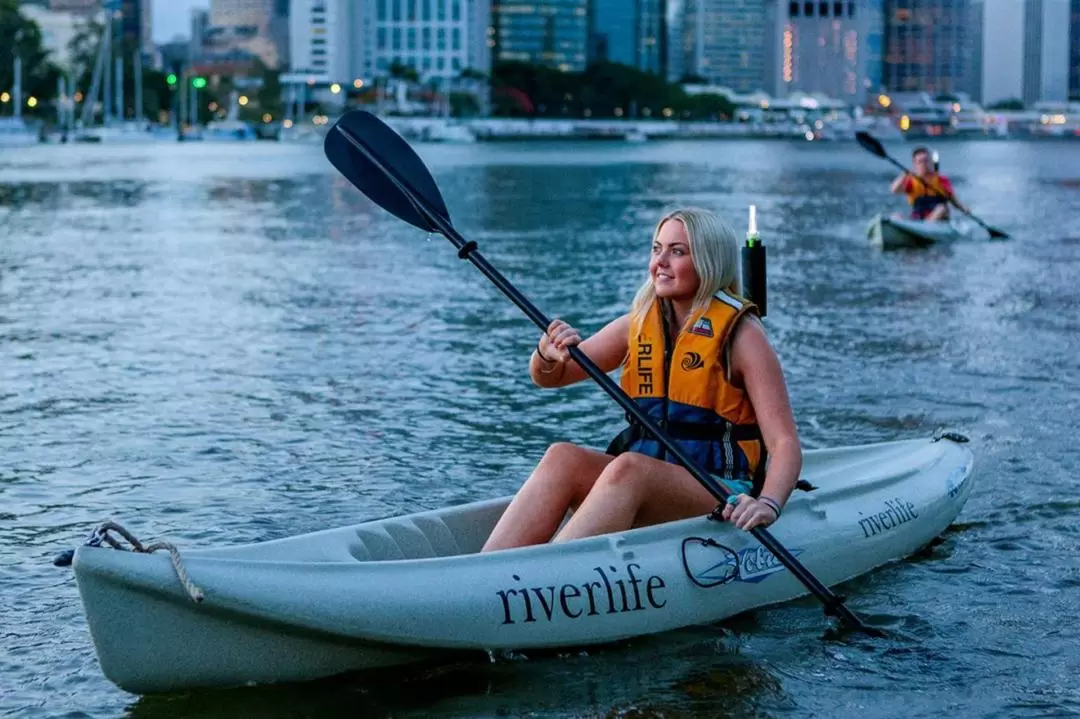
x=137, y=69
x=18, y=83
x=120, y=88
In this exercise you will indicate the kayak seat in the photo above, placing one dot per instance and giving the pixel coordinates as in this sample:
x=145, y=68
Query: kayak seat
x=405, y=538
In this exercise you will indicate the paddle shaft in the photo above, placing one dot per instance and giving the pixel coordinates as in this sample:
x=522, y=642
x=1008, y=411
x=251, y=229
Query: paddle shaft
x=467, y=250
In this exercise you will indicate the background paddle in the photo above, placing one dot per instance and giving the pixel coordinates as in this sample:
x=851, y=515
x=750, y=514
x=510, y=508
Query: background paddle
x=872, y=145
x=384, y=167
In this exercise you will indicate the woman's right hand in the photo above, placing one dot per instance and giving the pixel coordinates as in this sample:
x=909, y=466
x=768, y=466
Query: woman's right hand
x=555, y=344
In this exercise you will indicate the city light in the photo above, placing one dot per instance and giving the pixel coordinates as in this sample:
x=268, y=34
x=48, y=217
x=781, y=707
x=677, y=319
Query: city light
x=884, y=100
x=267, y=117
x=78, y=97
x=4, y=97
x=905, y=123
x=243, y=100
x=31, y=101
x=335, y=88
x=789, y=45
x=198, y=82
x=358, y=83
x=171, y=79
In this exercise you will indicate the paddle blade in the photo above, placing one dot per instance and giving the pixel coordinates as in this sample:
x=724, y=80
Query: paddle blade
x=996, y=234
x=379, y=163
x=870, y=143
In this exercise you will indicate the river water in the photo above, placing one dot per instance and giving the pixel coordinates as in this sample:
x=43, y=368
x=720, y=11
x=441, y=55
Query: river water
x=227, y=343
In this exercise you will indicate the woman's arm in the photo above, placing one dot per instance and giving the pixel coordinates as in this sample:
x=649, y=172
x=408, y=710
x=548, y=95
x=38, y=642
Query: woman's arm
x=900, y=184
x=607, y=349
x=756, y=367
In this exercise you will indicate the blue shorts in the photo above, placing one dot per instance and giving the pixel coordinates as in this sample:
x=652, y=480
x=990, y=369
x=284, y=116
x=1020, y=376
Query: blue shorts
x=738, y=486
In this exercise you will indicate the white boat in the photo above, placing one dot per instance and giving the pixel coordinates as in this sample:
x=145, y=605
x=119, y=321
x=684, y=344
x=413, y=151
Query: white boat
x=15, y=133
x=405, y=588
x=227, y=131
x=125, y=133
x=447, y=131
x=895, y=232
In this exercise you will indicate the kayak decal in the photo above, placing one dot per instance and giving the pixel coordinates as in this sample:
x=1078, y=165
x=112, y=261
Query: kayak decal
x=897, y=511
x=956, y=480
x=710, y=564
x=616, y=592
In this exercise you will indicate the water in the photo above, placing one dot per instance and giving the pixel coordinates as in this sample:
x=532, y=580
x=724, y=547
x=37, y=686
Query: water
x=220, y=344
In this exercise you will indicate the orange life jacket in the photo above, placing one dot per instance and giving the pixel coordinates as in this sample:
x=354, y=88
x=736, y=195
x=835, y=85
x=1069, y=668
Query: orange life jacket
x=683, y=386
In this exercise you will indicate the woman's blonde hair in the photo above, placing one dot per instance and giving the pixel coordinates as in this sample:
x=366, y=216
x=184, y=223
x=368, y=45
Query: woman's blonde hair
x=714, y=251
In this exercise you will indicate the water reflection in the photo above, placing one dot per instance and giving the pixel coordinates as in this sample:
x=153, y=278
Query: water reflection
x=217, y=345
x=695, y=673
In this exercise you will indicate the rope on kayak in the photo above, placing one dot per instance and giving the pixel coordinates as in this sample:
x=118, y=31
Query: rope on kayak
x=101, y=536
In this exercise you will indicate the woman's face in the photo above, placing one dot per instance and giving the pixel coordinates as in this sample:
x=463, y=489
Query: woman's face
x=671, y=267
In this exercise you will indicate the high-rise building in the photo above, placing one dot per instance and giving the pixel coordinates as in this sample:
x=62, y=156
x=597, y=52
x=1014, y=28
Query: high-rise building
x=831, y=47
x=436, y=38
x=1046, y=51
x=1074, y=49
x=544, y=32
x=1021, y=51
x=730, y=42
x=630, y=32
x=319, y=39
x=678, y=45
x=246, y=25
x=925, y=42
x=85, y=7
x=342, y=41
x=58, y=29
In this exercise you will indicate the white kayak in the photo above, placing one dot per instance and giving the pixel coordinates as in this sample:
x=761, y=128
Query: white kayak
x=894, y=233
x=405, y=588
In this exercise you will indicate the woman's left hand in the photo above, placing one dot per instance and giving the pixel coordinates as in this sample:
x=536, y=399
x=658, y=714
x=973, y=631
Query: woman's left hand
x=748, y=513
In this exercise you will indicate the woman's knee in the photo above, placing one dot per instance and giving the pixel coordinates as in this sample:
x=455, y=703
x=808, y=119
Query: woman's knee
x=629, y=469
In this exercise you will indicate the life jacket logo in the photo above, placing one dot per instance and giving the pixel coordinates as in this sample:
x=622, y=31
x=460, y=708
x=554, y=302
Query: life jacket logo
x=692, y=360
x=702, y=327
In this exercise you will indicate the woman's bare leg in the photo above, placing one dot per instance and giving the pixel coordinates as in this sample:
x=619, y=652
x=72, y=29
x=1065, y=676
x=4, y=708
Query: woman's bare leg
x=941, y=212
x=635, y=490
x=560, y=481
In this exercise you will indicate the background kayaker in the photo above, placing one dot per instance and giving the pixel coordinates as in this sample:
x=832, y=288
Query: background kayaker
x=695, y=358
x=928, y=191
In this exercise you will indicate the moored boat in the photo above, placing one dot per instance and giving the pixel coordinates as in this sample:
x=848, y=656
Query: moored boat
x=404, y=588
x=894, y=232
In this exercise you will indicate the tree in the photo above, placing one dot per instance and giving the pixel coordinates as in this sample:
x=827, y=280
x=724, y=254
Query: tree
x=21, y=37
x=404, y=72
x=464, y=104
x=690, y=78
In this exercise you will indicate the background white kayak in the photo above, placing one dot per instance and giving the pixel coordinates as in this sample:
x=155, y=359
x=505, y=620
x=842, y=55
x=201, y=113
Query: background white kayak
x=397, y=590
x=892, y=232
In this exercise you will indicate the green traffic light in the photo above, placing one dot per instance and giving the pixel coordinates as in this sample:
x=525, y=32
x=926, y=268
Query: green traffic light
x=171, y=79
x=198, y=83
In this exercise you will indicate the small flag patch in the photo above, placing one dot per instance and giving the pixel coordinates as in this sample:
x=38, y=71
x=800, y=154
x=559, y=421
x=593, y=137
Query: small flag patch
x=702, y=327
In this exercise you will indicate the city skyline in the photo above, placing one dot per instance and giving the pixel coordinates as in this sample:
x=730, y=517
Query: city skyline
x=172, y=18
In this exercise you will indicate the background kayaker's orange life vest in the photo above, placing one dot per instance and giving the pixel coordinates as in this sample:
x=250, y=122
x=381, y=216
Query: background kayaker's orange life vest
x=683, y=386
x=925, y=195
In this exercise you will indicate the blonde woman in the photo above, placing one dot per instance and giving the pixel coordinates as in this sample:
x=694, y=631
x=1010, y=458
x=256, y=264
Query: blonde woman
x=696, y=360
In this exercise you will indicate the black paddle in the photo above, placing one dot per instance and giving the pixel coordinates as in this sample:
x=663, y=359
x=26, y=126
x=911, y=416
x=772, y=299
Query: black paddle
x=872, y=145
x=384, y=167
